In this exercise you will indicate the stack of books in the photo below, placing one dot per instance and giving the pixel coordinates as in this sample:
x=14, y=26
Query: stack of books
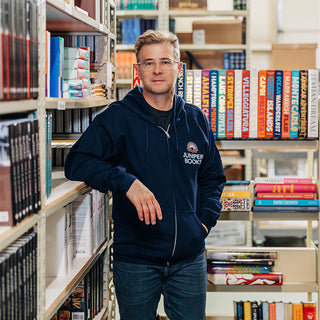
x=285, y=194
x=242, y=268
x=236, y=196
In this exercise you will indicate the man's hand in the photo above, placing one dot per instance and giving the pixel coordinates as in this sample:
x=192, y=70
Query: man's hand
x=143, y=199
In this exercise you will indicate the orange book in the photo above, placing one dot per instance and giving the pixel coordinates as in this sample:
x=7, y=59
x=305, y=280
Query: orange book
x=286, y=104
x=135, y=78
x=269, y=103
x=297, y=311
x=230, y=104
x=262, y=75
x=272, y=311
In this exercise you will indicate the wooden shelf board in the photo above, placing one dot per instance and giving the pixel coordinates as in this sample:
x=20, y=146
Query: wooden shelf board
x=10, y=234
x=207, y=13
x=14, y=106
x=60, y=103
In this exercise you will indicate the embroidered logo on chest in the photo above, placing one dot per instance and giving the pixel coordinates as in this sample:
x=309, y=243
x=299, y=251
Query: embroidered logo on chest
x=192, y=156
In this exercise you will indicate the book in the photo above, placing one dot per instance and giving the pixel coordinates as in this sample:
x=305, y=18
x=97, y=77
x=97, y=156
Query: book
x=230, y=255
x=214, y=89
x=238, y=269
x=246, y=310
x=56, y=66
x=272, y=311
x=270, y=103
x=265, y=310
x=205, y=92
x=297, y=311
x=262, y=104
x=245, y=104
x=309, y=196
x=309, y=311
x=254, y=310
x=180, y=84
x=238, y=308
x=279, y=310
x=236, y=194
x=313, y=91
x=286, y=103
x=283, y=180
x=197, y=87
x=237, y=103
x=295, y=86
x=303, y=102
x=284, y=208
x=230, y=104
x=237, y=262
x=189, y=86
x=285, y=188
x=253, y=125
x=222, y=104
x=287, y=311
x=285, y=202
x=278, y=74
x=275, y=278
x=236, y=204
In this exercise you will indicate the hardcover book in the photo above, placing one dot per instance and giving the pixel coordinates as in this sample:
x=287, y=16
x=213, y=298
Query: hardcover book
x=237, y=103
x=285, y=188
x=286, y=103
x=278, y=104
x=222, y=104
x=230, y=104
x=253, y=125
x=270, y=104
x=205, y=93
x=303, y=96
x=295, y=87
x=262, y=104
x=245, y=103
x=214, y=93
x=313, y=90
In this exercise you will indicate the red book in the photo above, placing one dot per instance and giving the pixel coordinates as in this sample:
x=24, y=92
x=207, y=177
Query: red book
x=275, y=278
x=295, y=196
x=230, y=104
x=309, y=311
x=135, y=77
x=270, y=103
x=245, y=103
x=286, y=188
x=205, y=92
x=262, y=104
x=286, y=104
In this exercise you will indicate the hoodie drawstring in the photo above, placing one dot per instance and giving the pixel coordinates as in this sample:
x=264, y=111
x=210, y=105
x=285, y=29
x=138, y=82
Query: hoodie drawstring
x=147, y=143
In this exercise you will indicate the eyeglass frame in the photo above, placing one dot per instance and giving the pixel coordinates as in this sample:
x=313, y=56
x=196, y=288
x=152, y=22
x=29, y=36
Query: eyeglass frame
x=142, y=63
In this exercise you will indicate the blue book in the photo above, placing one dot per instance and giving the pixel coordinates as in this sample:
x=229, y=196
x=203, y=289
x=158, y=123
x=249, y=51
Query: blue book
x=56, y=66
x=294, y=108
x=285, y=202
x=226, y=60
x=284, y=208
x=180, y=85
x=222, y=104
x=278, y=75
x=237, y=182
x=214, y=90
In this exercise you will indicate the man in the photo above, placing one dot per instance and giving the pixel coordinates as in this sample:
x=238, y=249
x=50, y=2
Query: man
x=158, y=156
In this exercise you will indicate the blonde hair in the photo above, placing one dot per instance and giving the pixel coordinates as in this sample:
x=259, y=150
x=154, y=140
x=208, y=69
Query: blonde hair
x=153, y=36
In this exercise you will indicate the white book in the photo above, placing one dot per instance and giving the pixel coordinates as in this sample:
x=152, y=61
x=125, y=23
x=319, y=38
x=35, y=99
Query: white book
x=253, y=117
x=197, y=78
x=76, y=53
x=189, y=86
x=56, y=242
x=69, y=237
x=313, y=83
x=279, y=310
x=237, y=103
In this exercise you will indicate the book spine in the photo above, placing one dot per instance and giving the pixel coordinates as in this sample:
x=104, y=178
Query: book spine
x=180, y=85
x=237, y=103
x=205, y=93
x=262, y=104
x=297, y=311
x=239, y=269
x=295, y=85
x=214, y=90
x=236, y=204
x=189, y=86
x=245, y=103
x=254, y=310
x=253, y=125
x=235, y=194
x=309, y=311
x=313, y=83
x=222, y=105
x=278, y=104
x=285, y=188
x=269, y=202
x=306, y=196
x=247, y=310
x=286, y=102
x=270, y=104
x=303, y=111
x=246, y=279
x=282, y=180
x=238, y=305
x=230, y=104
x=229, y=255
x=197, y=79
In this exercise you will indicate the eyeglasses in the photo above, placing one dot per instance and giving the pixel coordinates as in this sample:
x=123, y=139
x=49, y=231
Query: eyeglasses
x=165, y=64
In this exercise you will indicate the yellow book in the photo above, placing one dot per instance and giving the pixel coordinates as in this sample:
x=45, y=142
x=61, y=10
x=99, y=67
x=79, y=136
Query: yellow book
x=235, y=194
x=297, y=311
x=247, y=310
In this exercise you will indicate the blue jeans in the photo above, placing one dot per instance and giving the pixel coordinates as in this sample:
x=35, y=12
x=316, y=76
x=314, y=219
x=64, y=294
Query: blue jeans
x=183, y=286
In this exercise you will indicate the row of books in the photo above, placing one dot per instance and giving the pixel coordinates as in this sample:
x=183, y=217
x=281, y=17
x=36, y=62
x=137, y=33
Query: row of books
x=59, y=156
x=18, y=50
x=76, y=230
x=137, y=4
x=255, y=104
x=285, y=194
x=132, y=28
x=124, y=62
x=86, y=300
x=275, y=310
x=19, y=170
x=18, y=279
x=242, y=268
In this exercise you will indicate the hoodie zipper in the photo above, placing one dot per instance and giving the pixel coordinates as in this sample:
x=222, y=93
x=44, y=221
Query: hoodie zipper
x=174, y=198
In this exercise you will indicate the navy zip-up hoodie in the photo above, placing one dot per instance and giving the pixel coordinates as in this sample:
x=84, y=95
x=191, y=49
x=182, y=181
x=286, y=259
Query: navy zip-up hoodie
x=181, y=166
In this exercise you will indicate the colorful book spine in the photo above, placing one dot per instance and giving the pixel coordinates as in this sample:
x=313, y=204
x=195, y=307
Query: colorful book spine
x=205, y=93
x=262, y=104
x=197, y=80
x=247, y=310
x=285, y=188
x=303, y=96
x=295, y=86
x=229, y=255
x=278, y=74
x=286, y=103
x=297, y=311
x=189, y=86
x=245, y=103
x=237, y=103
x=135, y=77
x=283, y=180
x=306, y=196
x=275, y=278
x=236, y=204
x=253, y=125
x=56, y=67
x=270, y=104
x=180, y=85
x=239, y=269
x=214, y=89
x=238, y=306
x=230, y=104
x=284, y=202
x=309, y=311
x=222, y=104
x=241, y=262
x=313, y=85
x=235, y=194
x=285, y=208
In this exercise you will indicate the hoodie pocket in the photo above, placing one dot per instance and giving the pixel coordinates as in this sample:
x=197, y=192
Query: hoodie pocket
x=190, y=234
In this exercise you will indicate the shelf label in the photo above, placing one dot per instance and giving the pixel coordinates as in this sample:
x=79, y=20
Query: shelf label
x=67, y=8
x=61, y=105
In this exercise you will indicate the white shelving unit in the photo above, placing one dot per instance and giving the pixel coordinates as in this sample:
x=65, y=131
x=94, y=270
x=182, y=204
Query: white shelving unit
x=59, y=16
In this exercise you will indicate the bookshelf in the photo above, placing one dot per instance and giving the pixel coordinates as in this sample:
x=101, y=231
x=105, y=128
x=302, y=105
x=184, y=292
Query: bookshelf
x=64, y=18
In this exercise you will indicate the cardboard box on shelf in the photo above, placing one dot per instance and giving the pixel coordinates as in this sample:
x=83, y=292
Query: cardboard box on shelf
x=294, y=55
x=226, y=31
x=205, y=60
x=188, y=4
